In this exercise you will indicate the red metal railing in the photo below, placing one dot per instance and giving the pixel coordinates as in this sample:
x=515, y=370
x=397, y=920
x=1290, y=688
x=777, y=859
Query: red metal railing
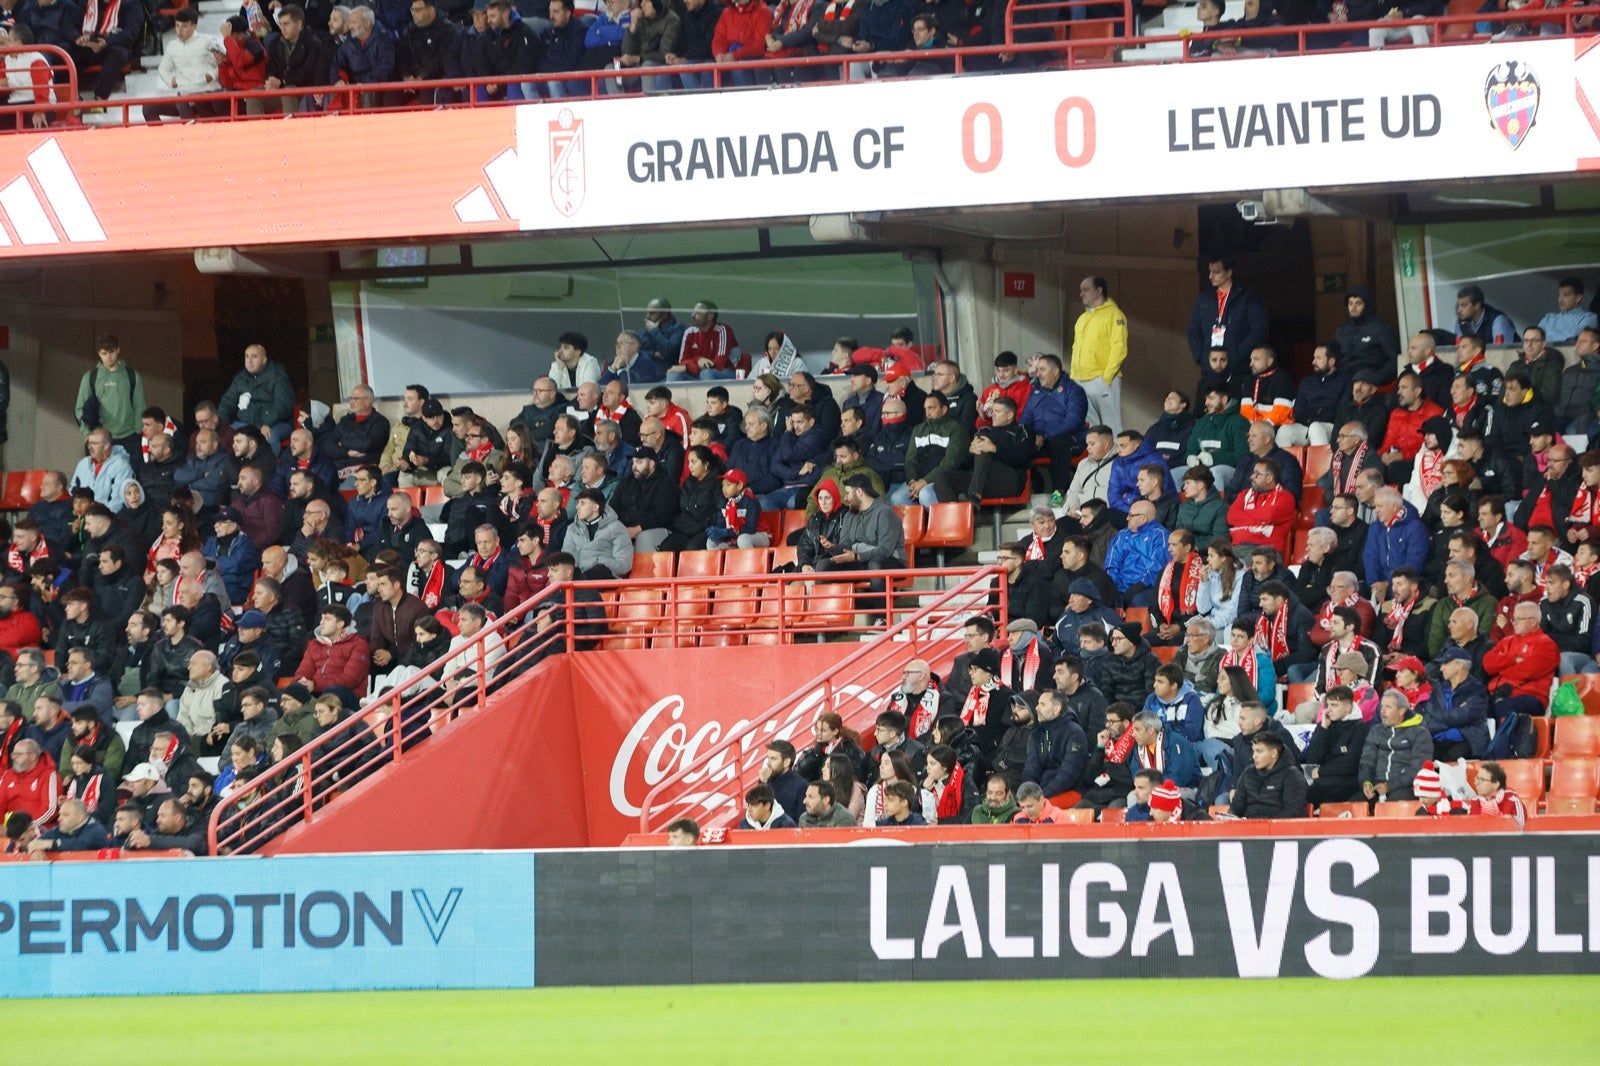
x=710, y=788
x=627, y=613
x=1050, y=42
x=63, y=84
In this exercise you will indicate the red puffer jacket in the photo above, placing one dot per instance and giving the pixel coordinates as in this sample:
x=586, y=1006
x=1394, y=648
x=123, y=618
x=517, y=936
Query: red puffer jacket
x=343, y=662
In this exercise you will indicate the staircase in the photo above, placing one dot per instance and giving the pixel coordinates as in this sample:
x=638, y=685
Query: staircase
x=563, y=745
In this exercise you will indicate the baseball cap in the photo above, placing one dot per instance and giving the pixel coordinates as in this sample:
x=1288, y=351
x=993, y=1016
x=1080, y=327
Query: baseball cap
x=252, y=620
x=227, y=514
x=143, y=772
x=737, y=477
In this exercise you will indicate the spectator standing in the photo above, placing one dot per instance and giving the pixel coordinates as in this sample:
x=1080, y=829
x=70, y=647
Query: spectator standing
x=1226, y=316
x=1099, y=348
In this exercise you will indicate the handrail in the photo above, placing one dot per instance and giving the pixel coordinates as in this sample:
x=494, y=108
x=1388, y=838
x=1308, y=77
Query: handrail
x=836, y=675
x=65, y=91
x=387, y=727
x=1075, y=48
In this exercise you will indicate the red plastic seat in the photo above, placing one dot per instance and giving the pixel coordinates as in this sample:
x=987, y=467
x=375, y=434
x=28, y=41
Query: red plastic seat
x=700, y=564
x=771, y=523
x=639, y=611
x=1569, y=805
x=911, y=520
x=1318, y=458
x=1577, y=736
x=1339, y=810
x=739, y=562
x=949, y=526
x=997, y=504
x=1116, y=815
x=1525, y=777
x=1568, y=777
x=792, y=522
x=433, y=494
x=736, y=607
x=1588, y=686
x=830, y=606
x=1298, y=694
x=1396, y=809
x=1312, y=498
x=1137, y=614
x=783, y=555
x=1165, y=652
x=651, y=565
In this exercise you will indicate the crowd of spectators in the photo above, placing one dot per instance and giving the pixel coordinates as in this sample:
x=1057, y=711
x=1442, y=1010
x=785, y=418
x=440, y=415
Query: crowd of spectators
x=238, y=584
x=1429, y=598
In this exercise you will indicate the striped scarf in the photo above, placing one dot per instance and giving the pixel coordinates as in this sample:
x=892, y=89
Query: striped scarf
x=1030, y=666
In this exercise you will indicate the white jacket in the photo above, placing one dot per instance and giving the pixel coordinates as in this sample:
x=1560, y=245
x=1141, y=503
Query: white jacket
x=190, y=66
x=29, y=73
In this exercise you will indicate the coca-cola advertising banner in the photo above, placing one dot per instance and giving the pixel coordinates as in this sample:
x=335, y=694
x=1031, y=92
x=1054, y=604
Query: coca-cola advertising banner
x=643, y=716
x=1341, y=907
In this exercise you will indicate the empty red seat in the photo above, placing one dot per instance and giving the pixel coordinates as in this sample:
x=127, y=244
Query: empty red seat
x=1569, y=777
x=1576, y=736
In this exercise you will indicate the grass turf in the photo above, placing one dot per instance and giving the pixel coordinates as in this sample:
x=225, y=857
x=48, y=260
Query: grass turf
x=1502, y=1020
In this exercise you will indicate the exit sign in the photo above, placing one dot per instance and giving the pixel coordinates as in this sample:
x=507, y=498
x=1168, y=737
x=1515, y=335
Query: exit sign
x=1018, y=286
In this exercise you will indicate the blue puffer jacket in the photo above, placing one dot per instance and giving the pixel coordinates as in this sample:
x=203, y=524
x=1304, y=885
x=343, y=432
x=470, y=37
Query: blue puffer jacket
x=1057, y=411
x=1463, y=712
x=1404, y=543
x=367, y=62
x=237, y=562
x=365, y=516
x=1137, y=558
x=1123, y=488
x=1184, y=711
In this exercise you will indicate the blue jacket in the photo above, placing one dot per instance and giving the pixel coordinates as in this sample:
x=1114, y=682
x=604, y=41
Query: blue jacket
x=366, y=516
x=644, y=370
x=604, y=31
x=747, y=516
x=791, y=453
x=664, y=344
x=563, y=51
x=1179, y=761
x=1122, y=490
x=871, y=407
x=1244, y=319
x=321, y=468
x=754, y=457
x=237, y=563
x=1319, y=397
x=1057, y=411
x=888, y=27
x=208, y=477
x=1405, y=543
x=1137, y=558
x=1184, y=712
x=1462, y=713
x=367, y=63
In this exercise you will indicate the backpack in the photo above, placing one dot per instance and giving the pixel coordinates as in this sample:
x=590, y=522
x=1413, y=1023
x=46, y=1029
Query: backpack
x=1514, y=739
x=90, y=413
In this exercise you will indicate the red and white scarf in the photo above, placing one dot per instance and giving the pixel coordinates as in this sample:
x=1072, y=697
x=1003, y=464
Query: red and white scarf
x=91, y=791
x=432, y=586
x=479, y=452
x=1582, y=574
x=950, y=795
x=1395, y=619
x=1585, y=507
x=101, y=20
x=1245, y=660
x=19, y=563
x=1346, y=469
x=1189, y=590
x=1117, y=750
x=1273, y=633
x=486, y=564
x=1326, y=613
x=1430, y=464
x=1461, y=413
x=975, y=711
x=1035, y=550
x=920, y=715
x=1154, y=757
x=170, y=428
x=1030, y=665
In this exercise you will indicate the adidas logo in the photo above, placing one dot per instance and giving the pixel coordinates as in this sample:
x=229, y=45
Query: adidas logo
x=46, y=205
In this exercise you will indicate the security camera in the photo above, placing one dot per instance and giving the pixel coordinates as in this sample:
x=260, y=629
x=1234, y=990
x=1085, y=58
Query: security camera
x=1252, y=210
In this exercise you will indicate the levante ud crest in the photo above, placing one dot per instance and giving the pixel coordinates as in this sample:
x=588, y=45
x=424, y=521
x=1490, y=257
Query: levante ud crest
x=567, y=179
x=1511, y=95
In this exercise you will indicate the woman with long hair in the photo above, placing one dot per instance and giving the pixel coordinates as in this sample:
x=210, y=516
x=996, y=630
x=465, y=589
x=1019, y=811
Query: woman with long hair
x=847, y=790
x=176, y=537
x=765, y=394
x=1245, y=653
x=1222, y=584
x=894, y=766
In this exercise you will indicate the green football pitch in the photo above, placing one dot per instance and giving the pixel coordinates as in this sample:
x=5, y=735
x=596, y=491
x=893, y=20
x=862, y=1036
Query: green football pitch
x=1539, y=1020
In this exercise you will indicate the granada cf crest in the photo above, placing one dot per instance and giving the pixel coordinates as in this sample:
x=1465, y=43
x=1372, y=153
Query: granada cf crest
x=567, y=181
x=1511, y=95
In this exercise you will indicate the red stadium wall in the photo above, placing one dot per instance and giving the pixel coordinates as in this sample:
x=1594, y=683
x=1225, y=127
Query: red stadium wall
x=565, y=756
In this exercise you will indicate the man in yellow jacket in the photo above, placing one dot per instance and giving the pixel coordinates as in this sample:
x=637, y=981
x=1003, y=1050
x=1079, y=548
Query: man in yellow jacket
x=1099, y=347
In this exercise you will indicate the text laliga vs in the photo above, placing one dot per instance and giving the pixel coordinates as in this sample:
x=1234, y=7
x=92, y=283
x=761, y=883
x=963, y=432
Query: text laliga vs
x=1342, y=121
x=1102, y=910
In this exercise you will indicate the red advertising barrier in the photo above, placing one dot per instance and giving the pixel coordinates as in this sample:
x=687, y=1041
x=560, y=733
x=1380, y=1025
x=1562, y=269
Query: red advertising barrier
x=564, y=756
